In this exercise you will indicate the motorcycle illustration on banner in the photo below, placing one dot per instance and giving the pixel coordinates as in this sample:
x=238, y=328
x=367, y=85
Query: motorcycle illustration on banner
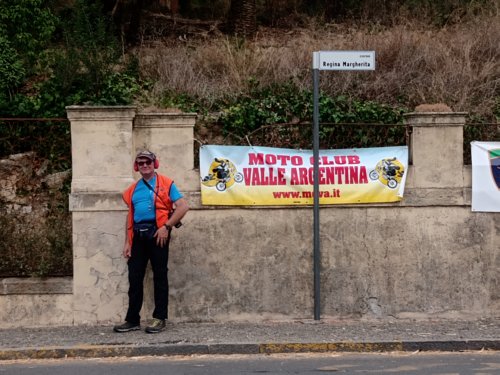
x=222, y=174
x=388, y=171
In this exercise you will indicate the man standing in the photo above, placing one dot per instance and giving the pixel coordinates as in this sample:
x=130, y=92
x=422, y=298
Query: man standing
x=155, y=207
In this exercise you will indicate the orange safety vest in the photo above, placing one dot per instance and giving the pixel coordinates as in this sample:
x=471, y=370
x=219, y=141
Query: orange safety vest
x=163, y=204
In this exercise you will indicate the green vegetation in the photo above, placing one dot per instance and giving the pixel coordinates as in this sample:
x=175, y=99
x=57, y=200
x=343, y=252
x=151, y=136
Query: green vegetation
x=25, y=29
x=56, y=53
x=286, y=103
x=50, y=61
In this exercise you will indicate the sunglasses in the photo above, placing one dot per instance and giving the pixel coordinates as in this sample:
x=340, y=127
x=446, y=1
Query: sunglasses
x=141, y=163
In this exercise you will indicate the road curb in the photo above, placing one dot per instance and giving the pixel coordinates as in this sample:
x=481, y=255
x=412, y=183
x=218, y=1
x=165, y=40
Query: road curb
x=105, y=351
x=372, y=347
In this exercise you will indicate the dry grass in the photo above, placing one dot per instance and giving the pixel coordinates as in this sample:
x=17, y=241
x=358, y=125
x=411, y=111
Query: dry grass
x=457, y=65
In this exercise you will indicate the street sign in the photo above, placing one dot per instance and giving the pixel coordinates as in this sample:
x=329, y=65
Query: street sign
x=328, y=60
x=345, y=60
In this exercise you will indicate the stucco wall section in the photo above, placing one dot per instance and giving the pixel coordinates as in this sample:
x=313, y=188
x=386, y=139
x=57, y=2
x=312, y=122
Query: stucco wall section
x=437, y=149
x=99, y=269
x=231, y=264
x=36, y=302
x=36, y=310
x=170, y=136
x=426, y=256
x=380, y=261
x=101, y=140
x=392, y=262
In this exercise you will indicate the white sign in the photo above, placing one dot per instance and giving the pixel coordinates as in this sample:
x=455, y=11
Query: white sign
x=485, y=176
x=344, y=60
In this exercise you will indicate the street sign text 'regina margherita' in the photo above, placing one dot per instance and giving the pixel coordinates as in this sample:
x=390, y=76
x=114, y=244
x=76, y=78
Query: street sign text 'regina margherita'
x=344, y=60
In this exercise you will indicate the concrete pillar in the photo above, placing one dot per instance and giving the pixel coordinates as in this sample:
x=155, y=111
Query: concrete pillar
x=101, y=140
x=170, y=136
x=437, y=149
x=105, y=141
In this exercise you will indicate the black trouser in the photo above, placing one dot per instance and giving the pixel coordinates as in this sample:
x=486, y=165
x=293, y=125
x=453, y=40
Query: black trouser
x=144, y=250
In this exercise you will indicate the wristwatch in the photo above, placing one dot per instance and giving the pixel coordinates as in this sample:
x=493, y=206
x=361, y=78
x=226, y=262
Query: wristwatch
x=169, y=227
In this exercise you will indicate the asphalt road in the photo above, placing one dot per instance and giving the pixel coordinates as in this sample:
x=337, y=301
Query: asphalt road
x=468, y=363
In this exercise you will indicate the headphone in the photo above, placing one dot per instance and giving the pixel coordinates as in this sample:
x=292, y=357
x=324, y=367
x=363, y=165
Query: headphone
x=146, y=154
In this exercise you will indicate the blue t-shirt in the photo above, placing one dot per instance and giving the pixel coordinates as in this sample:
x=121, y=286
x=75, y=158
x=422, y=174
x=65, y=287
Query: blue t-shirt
x=143, y=200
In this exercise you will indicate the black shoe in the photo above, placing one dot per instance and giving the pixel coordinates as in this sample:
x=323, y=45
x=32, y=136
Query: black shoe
x=127, y=327
x=157, y=325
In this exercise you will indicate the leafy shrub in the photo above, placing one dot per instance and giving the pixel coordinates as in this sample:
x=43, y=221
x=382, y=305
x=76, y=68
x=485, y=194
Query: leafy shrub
x=270, y=105
x=26, y=26
x=183, y=102
x=12, y=71
x=85, y=67
x=286, y=103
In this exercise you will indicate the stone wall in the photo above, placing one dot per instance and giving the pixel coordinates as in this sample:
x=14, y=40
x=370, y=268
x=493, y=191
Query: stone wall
x=36, y=302
x=427, y=256
x=28, y=192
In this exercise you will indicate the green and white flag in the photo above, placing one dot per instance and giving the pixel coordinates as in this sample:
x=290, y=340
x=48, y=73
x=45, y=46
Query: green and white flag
x=485, y=176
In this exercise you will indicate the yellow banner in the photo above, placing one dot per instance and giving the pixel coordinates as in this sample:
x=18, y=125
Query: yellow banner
x=242, y=176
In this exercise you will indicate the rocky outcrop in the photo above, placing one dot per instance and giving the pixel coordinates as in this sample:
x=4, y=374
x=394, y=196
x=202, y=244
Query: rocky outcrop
x=35, y=224
x=26, y=187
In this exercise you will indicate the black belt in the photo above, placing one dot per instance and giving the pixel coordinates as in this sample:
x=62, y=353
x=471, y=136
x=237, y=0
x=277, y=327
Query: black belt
x=145, y=229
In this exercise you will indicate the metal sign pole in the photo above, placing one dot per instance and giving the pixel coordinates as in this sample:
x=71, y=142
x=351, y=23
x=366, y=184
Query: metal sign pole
x=328, y=60
x=317, y=254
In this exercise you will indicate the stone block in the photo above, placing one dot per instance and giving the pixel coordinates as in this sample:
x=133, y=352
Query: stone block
x=101, y=140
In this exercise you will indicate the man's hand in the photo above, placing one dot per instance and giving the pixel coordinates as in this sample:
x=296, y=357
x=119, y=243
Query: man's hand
x=127, y=250
x=161, y=236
